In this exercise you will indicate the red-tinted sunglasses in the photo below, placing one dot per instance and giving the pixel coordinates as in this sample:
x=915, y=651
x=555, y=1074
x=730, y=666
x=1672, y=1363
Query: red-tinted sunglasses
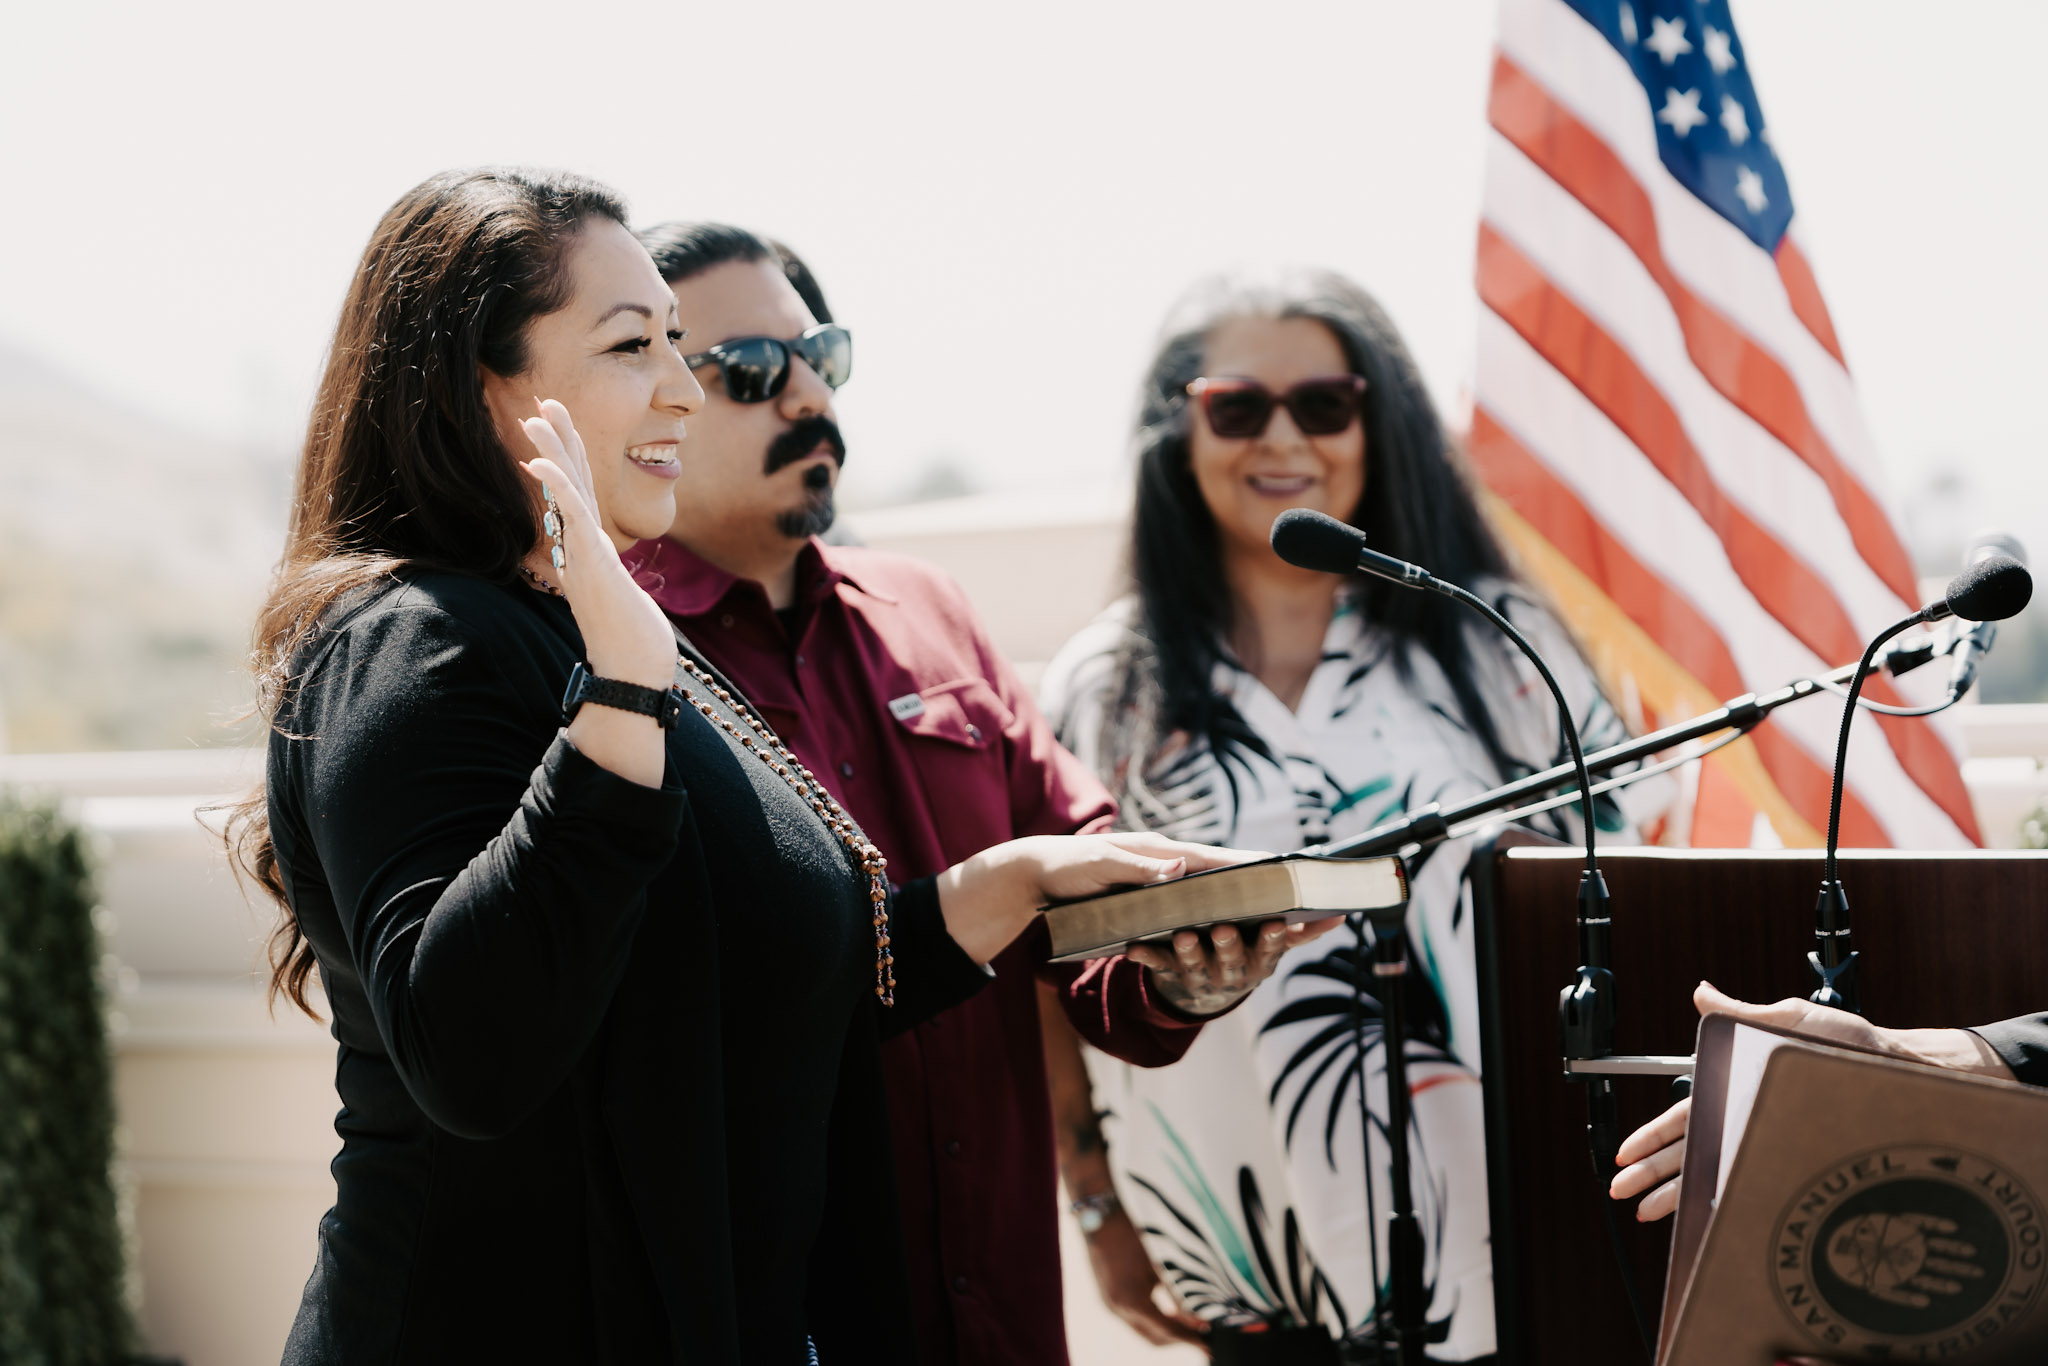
x=1238, y=408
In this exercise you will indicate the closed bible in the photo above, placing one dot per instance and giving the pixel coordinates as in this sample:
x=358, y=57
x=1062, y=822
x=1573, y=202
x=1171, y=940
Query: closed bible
x=1292, y=887
x=1854, y=1207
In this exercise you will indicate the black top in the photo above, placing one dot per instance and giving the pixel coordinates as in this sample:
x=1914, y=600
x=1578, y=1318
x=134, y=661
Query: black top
x=2023, y=1043
x=608, y=1055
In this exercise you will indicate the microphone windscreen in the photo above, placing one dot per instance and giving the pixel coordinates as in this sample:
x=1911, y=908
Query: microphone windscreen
x=1994, y=588
x=1308, y=539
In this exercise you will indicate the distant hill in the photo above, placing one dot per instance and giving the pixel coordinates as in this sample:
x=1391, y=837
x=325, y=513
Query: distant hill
x=132, y=559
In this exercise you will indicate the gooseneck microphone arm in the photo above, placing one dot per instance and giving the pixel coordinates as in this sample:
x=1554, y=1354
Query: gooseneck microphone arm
x=1832, y=960
x=1564, y=713
x=1990, y=588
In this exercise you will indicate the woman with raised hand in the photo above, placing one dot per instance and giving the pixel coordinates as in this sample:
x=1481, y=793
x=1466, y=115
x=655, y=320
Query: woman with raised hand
x=1234, y=699
x=607, y=968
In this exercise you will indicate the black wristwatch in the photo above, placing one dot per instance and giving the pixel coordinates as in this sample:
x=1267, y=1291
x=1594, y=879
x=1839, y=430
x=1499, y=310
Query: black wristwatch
x=665, y=705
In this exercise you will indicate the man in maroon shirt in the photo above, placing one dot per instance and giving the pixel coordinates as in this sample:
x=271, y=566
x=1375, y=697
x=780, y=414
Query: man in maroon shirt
x=873, y=668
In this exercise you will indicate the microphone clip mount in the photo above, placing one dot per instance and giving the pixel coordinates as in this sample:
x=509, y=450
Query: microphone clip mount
x=1832, y=960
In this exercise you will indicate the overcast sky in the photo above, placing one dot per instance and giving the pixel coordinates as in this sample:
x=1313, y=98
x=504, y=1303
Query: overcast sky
x=1001, y=200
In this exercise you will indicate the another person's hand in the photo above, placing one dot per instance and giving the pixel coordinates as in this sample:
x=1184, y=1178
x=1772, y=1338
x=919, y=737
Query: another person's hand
x=1130, y=1287
x=1651, y=1156
x=1206, y=979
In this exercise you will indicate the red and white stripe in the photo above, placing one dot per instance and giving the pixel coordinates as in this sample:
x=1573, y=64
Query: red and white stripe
x=1667, y=404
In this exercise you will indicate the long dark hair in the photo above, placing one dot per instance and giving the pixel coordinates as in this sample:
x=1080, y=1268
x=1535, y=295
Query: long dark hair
x=402, y=468
x=1418, y=505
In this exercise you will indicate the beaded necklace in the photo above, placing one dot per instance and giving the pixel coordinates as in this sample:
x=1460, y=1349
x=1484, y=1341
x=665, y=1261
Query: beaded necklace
x=771, y=751
x=537, y=581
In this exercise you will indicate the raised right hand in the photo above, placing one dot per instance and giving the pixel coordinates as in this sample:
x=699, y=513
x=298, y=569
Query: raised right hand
x=625, y=635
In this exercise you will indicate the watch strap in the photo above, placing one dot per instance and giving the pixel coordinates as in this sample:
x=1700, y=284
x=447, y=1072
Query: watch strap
x=665, y=705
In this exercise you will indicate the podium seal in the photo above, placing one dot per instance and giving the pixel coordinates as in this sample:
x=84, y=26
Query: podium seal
x=1919, y=1251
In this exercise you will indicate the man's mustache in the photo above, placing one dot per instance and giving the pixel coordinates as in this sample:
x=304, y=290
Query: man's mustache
x=805, y=437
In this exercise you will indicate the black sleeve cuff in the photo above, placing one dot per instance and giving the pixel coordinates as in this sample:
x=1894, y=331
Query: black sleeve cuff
x=933, y=973
x=2023, y=1043
x=570, y=787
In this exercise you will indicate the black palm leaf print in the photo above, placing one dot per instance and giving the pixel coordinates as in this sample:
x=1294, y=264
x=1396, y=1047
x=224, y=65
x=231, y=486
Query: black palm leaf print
x=1199, y=1273
x=1235, y=743
x=1335, y=1040
x=1317, y=793
x=1252, y=1287
x=1195, y=794
x=1233, y=737
x=1374, y=654
x=1333, y=1044
x=1182, y=800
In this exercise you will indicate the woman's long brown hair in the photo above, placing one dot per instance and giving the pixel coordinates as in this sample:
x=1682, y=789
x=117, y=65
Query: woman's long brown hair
x=402, y=468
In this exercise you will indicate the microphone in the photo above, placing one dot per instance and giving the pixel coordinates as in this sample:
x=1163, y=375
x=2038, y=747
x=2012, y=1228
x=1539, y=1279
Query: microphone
x=1974, y=644
x=1308, y=539
x=1992, y=587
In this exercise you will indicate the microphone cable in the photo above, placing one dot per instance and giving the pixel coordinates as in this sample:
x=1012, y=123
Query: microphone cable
x=1921, y=651
x=1885, y=708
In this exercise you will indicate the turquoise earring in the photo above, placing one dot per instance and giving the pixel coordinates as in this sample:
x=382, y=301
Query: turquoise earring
x=552, y=524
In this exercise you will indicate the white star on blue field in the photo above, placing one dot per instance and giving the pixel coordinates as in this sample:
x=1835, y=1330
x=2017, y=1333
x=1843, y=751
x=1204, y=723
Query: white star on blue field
x=1710, y=128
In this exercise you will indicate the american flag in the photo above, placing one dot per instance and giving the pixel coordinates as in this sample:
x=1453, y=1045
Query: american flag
x=1667, y=427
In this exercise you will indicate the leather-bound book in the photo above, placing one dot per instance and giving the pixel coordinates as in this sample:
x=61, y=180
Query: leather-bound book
x=1292, y=887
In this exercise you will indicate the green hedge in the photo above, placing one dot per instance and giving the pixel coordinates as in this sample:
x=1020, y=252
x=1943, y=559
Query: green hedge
x=62, y=1300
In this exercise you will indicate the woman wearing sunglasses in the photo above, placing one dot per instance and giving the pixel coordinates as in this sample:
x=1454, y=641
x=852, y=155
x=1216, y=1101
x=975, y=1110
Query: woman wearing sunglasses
x=607, y=967
x=1236, y=700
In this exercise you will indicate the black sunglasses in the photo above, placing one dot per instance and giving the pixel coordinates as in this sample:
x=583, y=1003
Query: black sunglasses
x=1238, y=408
x=755, y=369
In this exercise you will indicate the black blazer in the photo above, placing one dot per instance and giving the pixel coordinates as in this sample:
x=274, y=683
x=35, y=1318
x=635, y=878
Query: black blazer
x=607, y=1055
x=2023, y=1043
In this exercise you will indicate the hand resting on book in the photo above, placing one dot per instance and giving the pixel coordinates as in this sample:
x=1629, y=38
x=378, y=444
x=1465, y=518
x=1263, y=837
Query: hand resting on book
x=988, y=899
x=1650, y=1157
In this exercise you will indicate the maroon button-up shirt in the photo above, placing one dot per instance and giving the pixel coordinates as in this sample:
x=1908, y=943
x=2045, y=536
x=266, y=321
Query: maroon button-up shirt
x=882, y=681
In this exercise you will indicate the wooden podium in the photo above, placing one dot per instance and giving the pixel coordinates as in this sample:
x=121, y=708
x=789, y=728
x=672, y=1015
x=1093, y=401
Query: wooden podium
x=1946, y=939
